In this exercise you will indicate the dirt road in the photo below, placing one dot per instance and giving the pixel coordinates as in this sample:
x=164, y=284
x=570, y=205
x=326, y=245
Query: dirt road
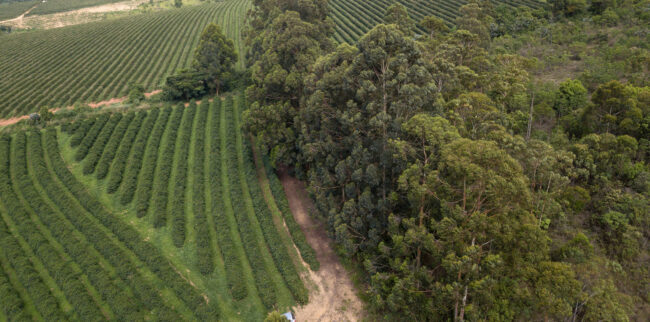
x=335, y=298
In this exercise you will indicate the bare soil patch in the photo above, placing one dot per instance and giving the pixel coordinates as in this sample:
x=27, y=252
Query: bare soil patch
x=334, y=297
x=73, y=17
x=13, y=120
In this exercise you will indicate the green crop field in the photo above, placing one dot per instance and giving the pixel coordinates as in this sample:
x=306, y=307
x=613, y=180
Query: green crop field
x=54, y=6
x=153, y=214
x=97, y=61
x=11, y=10
x=353, y=18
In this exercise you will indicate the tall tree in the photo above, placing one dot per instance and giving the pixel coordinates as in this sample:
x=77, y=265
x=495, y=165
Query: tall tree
x=398, y=14
x=215, y=56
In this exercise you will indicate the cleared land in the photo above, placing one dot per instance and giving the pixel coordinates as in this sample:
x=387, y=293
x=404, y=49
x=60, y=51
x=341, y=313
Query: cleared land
x=96, y=61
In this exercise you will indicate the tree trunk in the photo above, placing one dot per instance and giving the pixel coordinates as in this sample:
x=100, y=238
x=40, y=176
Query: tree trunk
x=530, y=116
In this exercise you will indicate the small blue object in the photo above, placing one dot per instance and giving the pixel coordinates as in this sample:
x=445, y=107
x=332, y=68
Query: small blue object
x=289, y=316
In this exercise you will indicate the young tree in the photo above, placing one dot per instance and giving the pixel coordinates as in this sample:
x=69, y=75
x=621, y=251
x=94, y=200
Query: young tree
x=136, y=93
x=215, y=57
x=178, y=3
x=44, y=114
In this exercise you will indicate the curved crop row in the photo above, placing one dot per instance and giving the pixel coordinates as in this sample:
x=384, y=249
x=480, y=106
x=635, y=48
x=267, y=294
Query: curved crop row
x=113, y=144
x=90, y=137
x=164, y=170
x=66, y=277
x=12, y=254
x=123, y=152
x=306, y=251
x=201, y=306
x=204, y=249
x=130, y=180
x=81, y=130
x=224, y=231
x=95, y=152
x=265, y=287
x=113, y=291
x=180, y=179
x=143, y=191
x=13, y=307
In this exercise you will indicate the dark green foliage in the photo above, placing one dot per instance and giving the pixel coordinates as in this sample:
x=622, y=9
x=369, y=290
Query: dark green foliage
x=107, y=156
x=264, y=284
x=130, y=180
x=136, y=93
x=215, y=57
x=124, y=150
x=180, y=179
x=95, y=152
x=13, y=306
x=212, y=68
x=185, y=84
x=164, y=169
x=90, y=137
x=81, y=130
x=143, y=192
x=460, y=169
x=204, y=250
x=130, y=238
x=232, y=262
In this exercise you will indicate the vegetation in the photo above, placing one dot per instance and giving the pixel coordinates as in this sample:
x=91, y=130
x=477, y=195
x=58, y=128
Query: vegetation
x=355, y=18
x=97, y=61
x=471, y=160
x=166, y=156
x=10, y=10
x=212, y=67
x=463, y=186
x=54, y=6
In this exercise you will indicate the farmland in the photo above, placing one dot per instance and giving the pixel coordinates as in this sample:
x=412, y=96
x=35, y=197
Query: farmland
x=53, y=6
x=9, y=10
x=96, y=61
x=353, y=18
x=179, y=209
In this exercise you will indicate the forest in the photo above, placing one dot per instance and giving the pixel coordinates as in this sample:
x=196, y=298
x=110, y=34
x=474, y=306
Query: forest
x=493, y=169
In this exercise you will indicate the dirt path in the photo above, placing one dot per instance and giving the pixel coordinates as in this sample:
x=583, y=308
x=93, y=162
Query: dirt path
x=18, y=21
x=72, y=17
x=13, y=120
x=335, y=298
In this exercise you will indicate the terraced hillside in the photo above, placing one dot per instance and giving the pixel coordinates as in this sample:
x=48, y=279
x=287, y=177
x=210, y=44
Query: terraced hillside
x=145, y=215
x=353, y=18
x=96, y=61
